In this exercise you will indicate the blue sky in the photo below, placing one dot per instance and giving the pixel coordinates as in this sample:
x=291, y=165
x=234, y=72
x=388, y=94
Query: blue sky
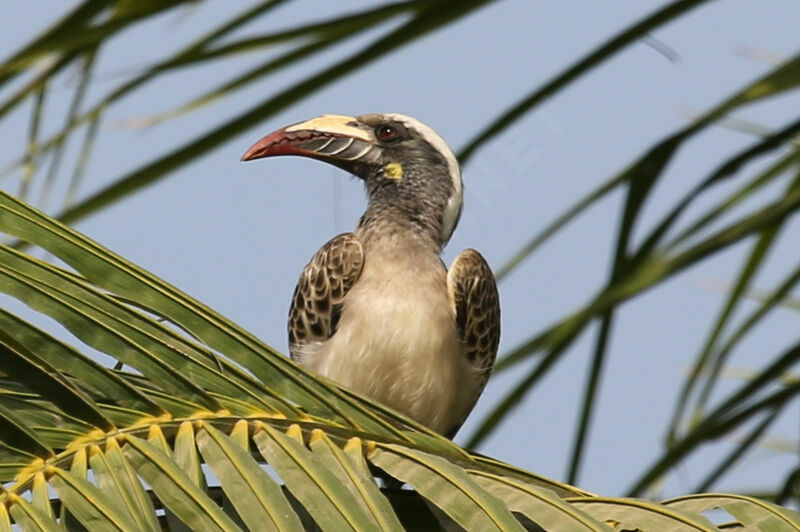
x=236, y=236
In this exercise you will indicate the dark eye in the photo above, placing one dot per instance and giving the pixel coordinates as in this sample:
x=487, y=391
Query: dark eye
x=386, y=133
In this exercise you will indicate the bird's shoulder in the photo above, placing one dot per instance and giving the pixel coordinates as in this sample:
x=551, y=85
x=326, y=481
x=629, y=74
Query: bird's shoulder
x=323, y=284
x=473, y=294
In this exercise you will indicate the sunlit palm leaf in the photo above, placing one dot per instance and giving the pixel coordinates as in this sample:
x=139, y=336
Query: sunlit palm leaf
x=114, y=467
x=746, y=510
x=257, y=497
x=643, y=515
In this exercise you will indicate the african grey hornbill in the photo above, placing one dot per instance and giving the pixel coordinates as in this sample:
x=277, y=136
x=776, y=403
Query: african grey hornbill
x=376, y=310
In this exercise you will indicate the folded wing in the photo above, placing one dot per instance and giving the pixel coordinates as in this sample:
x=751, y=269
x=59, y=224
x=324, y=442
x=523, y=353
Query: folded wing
x=473, y=295
x=317, y=301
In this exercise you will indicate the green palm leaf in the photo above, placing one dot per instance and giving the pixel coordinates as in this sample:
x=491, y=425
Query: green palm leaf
x=151, y=458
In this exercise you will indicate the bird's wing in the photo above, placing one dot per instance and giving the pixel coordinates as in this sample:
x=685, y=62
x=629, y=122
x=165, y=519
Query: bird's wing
x=473, y=295
x=317, y=301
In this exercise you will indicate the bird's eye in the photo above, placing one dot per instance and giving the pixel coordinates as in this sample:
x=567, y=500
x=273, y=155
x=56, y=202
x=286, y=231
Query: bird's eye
x=386, y=133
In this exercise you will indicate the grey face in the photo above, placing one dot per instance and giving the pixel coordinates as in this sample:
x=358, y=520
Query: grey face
x=401, y=158
x=407, y=175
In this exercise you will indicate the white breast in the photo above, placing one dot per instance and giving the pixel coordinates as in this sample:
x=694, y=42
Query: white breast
x=397, y=342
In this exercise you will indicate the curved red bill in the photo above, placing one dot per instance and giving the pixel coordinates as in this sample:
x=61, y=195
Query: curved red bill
x=333, y=147
x=282, y=142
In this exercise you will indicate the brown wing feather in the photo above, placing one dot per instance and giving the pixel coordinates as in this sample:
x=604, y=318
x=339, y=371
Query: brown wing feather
x=317, y=301
x=473, y=294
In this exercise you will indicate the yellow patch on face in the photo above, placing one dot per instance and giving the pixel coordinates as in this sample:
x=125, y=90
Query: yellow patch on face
x=393, y=171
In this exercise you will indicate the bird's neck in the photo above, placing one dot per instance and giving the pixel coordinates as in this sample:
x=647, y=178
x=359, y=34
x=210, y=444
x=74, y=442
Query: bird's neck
x=386, y=225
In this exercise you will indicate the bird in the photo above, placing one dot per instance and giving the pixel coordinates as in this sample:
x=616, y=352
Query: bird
x=376, y=309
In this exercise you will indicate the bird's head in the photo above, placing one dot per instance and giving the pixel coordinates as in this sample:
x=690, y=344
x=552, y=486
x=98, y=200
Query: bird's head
x=408, y=169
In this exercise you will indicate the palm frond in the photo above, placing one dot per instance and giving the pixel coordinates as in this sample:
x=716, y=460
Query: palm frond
x=115, y=447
